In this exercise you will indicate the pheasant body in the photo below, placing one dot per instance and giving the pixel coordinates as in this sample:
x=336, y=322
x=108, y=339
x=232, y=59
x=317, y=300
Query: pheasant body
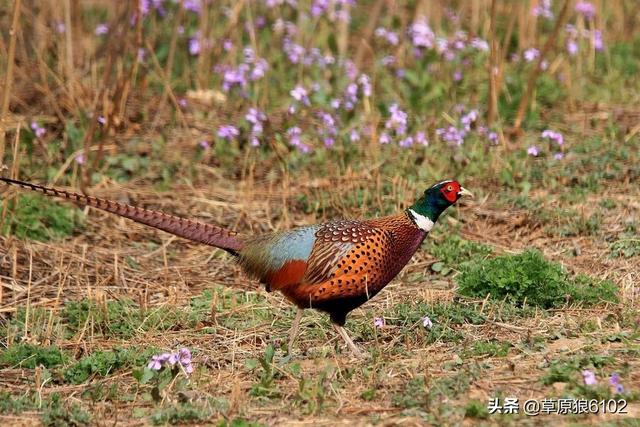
x=334, y=267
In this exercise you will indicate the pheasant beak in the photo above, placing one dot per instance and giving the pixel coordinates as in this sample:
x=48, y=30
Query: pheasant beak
x=464, y=192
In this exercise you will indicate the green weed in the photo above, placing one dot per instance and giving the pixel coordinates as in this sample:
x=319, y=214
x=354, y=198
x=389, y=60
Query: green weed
x=104, y=363
x=35, y=217
x=530, y=278
x=29, y=356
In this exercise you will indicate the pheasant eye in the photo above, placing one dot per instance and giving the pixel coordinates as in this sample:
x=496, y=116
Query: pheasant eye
x=449, y=188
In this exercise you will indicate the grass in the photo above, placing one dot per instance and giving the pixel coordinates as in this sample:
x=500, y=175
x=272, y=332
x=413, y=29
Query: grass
x=527, y=286
x=529, y=278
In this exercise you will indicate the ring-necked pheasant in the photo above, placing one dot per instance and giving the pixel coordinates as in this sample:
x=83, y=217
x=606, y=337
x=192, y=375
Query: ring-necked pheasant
x=334, y=267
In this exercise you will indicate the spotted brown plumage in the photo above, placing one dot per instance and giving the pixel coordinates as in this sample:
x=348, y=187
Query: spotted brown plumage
x=334, y=267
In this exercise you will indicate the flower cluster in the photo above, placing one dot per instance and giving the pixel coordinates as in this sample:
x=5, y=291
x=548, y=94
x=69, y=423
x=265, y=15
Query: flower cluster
x=590, y=379
x=543, y=9
x=396, y=125
x=228, y=132
x=455, y=135
x=257, y=119
x=251, y=69
x=338, y=12
x=378, y=322
x=295, y=139
x=38, y=130
x=181, y=358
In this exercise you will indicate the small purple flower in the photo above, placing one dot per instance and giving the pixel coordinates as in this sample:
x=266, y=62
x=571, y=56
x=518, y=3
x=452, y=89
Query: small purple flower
x=384, y=138
x=553, y=136
x=543, y=9
x=101, y=29
x=60, y=27
x=378, y=322
x=204, y=144
x=365, y=84
x=533, y=151
x=452, y=135
x=572, y=47
x=182, y=102
x=614, y=380
x=406, y=142
x=421, y=139
x=141, y=54
x=457, y=75
x=102, y=120
x=300, y=94
x=596, y=40
x=38, y=130
x=354, y=136
x=469, y=119
x=426, y=322
x=194, y=45
x=589, y=377
x=227, y=45
x=193, y=6
x=228, y=132
x=493, y=138
x=479, y=44
x=586, y=9
x=421, y=34
x=80, y=159
x=184, y=356
x=531, y=54
x=558, y=156
x=155, y=363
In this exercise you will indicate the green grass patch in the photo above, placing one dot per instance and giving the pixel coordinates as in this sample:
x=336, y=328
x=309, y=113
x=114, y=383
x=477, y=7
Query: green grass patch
x=104, y=363
x=30, y=356
x=121, y=318
x=528, y=278
x=35, y=217
x=452, y=251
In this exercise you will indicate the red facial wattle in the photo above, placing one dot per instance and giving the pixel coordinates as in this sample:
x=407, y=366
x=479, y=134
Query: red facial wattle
x=450, y=191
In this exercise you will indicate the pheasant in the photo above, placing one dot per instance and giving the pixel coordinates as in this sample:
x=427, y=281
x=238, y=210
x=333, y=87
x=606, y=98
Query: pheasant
x=333, y=267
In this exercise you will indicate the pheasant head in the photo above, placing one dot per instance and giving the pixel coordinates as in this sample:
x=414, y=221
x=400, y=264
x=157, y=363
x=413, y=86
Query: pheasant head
x=426, y=210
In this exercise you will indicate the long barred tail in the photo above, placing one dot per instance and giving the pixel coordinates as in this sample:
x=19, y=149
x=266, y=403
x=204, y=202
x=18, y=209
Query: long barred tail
x=189, y=229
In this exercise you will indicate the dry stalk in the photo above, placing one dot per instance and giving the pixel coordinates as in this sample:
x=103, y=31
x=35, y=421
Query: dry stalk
x=8, y=79
x=535, y=73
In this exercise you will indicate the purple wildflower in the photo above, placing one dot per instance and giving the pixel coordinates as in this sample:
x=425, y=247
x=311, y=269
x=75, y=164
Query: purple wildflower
x=572, y=47
x=406, y=142
x=193, y=6
x=397, y=121
x=426, y=322
x=457, y=75
x=101, y=29
x=614, y=380
x=378, y=322
x=365, y=84
x=294, y=134
x=155, y=363
x=493, y=138
x=204, y=144
x=102, y=120
x=589, y=377
x=227, y=45
x=228, y=132
x=38, y=130
x=533, y=151
x=543, y=9
x=80, y=159
x=60, y=27
x=558, y=156
x=384, y=138
x=596, y=40
x=354, y=136
x=452, y=135
x=141, y=54
x=194, y=45
x=421, y=34
x=586, y=9
x=531, y=54
x=479, y=44
x=553, y=136
x=300, y=94
x=420, y=138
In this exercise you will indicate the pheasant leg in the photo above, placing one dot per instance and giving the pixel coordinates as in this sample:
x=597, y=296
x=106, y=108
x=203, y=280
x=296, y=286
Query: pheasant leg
x=343, y=333
x=293, y=333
